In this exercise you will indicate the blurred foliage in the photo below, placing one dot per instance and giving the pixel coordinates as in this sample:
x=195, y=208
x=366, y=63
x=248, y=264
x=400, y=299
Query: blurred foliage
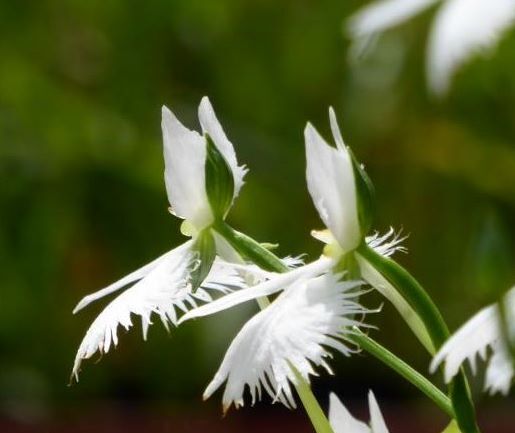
x=82, y=200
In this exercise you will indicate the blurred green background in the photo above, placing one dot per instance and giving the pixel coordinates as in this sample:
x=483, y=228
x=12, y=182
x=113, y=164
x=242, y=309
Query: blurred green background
x=82, y=199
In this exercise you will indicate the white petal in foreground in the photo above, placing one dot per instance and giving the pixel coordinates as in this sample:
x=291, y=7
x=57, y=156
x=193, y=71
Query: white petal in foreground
x=296, y=330
x=274, y=284
x=211, y=126
x=185, y=157
x=474, y=338
x=343, y=422
x=330, y=179
x=162, y=290
x=461, y=29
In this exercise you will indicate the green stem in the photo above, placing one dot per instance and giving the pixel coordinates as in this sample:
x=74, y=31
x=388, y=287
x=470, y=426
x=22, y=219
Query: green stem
x=251, y=249
x=423, y=305
x=256, y=253
x=398, y=365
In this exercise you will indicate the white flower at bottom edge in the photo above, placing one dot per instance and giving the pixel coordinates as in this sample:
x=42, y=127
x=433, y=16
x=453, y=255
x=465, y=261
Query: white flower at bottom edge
x=161, y=287
x=295, y=332
x=474, y=338
x=343, y=422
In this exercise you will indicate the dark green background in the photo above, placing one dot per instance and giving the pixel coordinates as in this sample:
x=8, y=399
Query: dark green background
x=82, y=198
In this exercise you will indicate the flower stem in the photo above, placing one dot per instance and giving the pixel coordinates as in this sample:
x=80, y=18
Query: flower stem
x=398, y=365
x=428, y=312
x=256, y=253
x=251, y=249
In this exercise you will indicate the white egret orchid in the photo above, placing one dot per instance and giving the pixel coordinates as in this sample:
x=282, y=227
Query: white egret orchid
x=343, y=422
x=342, y=194
x=460, y=29
x=202, y=179
x=268, y=356
x=315, y=310
x=482, y=331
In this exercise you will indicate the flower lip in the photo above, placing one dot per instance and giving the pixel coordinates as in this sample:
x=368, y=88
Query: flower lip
x=288, y=339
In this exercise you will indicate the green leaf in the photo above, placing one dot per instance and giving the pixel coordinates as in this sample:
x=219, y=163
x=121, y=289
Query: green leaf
x=365, y=193
x=383, y=286
x=205, y=248
x=219, y=180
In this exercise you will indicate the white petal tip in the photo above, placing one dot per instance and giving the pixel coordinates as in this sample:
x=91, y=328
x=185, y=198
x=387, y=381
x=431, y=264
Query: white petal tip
x=184, y=318
x=434, y=365
x=83, y=303
x=309, y=128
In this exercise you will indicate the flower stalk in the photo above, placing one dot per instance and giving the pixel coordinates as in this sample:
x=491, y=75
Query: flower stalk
x=423, y=305
x=402, y=368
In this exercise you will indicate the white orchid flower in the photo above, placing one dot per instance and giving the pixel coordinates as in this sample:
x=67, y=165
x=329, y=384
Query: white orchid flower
x=330, y=175
x=460, y=29
x=180, y=278
x=342, y=194
x=481, y=332
x=185, y=153
x=289, y=338
x=343, y=422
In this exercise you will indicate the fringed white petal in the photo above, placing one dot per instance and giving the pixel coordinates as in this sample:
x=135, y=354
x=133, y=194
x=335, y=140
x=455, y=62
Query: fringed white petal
x=387, y=244
x=212, y=126
x=133, y=276
x=499, y=373
x=294, y=333
x=461, y=29
x=185, y=156
x=163, y=291
x=473, y=339
x=274, y=284
x=330, y=179
x=343, y=422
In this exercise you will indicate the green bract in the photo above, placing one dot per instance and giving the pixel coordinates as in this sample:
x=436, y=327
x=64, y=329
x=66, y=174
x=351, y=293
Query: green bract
x=365, y=193
x=219, y=180
x=205, y=249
